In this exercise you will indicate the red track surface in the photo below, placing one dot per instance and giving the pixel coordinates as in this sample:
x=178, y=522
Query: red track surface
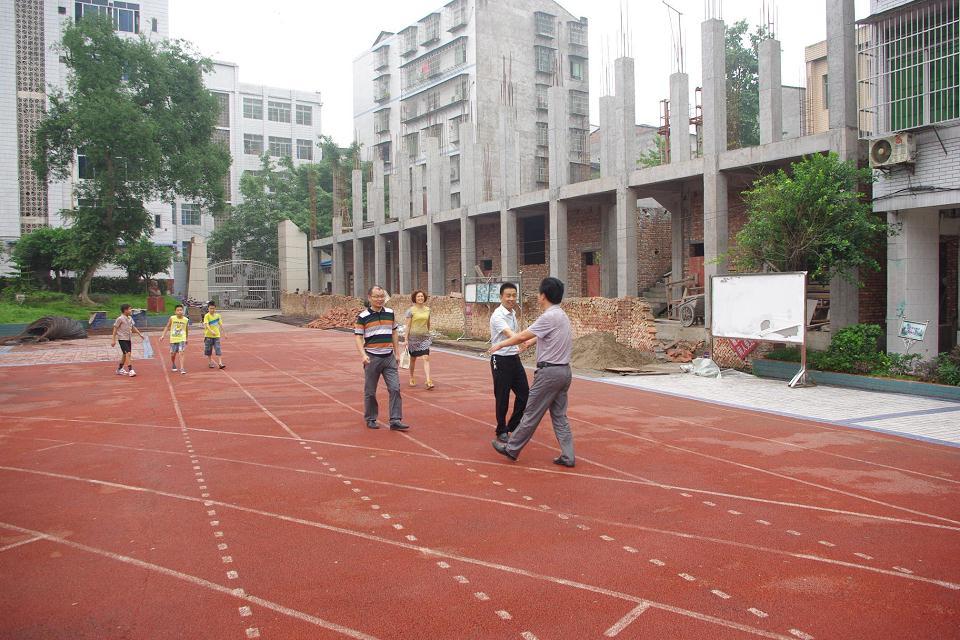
x=127, y=504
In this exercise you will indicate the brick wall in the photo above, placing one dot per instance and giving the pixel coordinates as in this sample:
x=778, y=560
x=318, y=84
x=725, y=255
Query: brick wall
x=873, y=295
x=348, y=264
x=583, y=234
x=948, y=310
x=654, y=245
x=450, y=235
x=629, y=319
x=488, y=243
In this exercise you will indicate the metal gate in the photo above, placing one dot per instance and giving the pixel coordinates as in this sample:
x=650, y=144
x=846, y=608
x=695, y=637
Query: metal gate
x=244, y=284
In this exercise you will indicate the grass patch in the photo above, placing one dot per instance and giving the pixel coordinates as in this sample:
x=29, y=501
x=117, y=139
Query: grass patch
x=48, y=303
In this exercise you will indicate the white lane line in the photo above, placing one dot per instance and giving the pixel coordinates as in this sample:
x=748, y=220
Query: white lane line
x=20, y=544
x=659, y=563
x=310, y=523
x=625, y=621
x=763, y=522
x=720, y=594
x=200, y=582
x=461, y=579
x=424, y=445
x=504, y=615
x=526, y=635
x=864, y=556
x=826, y=543
x=687, y=577
x=56, y=446
x=245, y=612
x=904, y=570
x=800, y=634
x=481, y=596
x=758, y=612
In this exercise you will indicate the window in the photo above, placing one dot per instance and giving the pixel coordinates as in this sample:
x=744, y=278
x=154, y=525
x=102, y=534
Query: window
x=578, y=33
x=486, y=265
x=824, y=90
x=409, y=40
x=411, y=141
x=190, y=214
x=458, y=14
x=381, y=121
x=455, y=200
x=253, y=108
x=305, y=115
x=383, y=57
x=431, y=28
x=546, y=24
x=281, y=147
x=252, y=144
x=84, y=167
x=223, y=103
x=543, y=134
x=222, y=137
x=433, y=100
x=381, y=88
x=434, y=131
x=577, y=68
x=545, y=59
x=455, y=128
x=304, y=150
x=278, y=111
x=154, y=25
x=534, y=240
x=543, y=101
x=124, y=15
x=454, y=169
x=542, y=170
x=173, y=213
x=579, y=103
x=578, y=142
x=185, y=250
x=157, y=220
x=460, y=53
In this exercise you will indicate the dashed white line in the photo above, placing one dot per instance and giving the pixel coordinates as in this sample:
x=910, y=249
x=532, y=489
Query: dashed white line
x=443, y=565
x=864, y=556
x=461, y=579
x=794, y=533
x=412, y=538
x=720, y=594
x=245, y=612
x=606, y=538
x=480, y=595
x=734, y=512
x=758, y=612
x=232, y=575
x=253, y=632
x=800, y=634
x=687, y=577
x=526, y=635
x=630, y=550
x=763, y=522
x=659, y=563
x=504, y=615
x=903, y=570
x=709, y=504
x=826, y=543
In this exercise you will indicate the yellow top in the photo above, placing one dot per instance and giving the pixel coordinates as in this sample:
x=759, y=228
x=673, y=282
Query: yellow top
x=420, y=320
x=178, y=329
x=211, y=325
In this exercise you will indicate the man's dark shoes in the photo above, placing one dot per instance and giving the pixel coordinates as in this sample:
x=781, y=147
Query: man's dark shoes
x=373, y=425
x=502, y=450
x=398, y=426
x=503, y=437
x=563, y=462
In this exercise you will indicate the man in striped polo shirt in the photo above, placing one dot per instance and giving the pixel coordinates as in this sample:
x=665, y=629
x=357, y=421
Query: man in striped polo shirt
x=376, y=334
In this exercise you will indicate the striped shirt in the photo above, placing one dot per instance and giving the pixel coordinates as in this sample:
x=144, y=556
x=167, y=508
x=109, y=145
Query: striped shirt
x=377, y=329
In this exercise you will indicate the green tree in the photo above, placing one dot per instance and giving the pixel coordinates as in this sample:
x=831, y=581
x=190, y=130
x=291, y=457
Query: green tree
x=654, y=157
x=139, y=114
x=143, y=259
x=42, y=251
x=743, y=84
x=814, y=218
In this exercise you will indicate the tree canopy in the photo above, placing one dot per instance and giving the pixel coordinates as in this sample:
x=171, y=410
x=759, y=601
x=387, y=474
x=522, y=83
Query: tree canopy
x=143, y=259
x=813, y=218
x=743, y=84
x=139, y=123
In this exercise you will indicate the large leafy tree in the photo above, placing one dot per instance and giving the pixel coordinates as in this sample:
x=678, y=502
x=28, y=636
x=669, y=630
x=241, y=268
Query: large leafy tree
x=813, y=218
x=743, y=84
x=140, y=116
x=143, y=259
x=281, y=191
x=41, y=252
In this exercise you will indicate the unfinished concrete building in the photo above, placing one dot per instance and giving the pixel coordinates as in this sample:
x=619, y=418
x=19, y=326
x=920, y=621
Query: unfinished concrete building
x=594, y=229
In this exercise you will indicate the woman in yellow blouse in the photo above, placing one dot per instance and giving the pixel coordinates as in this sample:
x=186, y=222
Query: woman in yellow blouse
x=418, y=336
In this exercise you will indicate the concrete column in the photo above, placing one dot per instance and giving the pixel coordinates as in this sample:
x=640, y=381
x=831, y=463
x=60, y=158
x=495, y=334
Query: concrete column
x=510, y=153
x=842, y=105
x=608, y=257
x=677, y=245
x=558, y=238
x=356, y=192
x=197, y=283
x=679, y=117
x=715, y=210
x=405, y=261
x=771, y=92
x=359, y=282
x=608, y=136
x=339, y=270
x=559, y=137
x=913, y=278
x=293, y=257
x=625, y=116
x=436, y=266
x=509, y=262
x=434, y=181
x=469, y=194
x=626, y=242
x=316, y=276
x=468, y=244
x=380, y=260
x=417, y=184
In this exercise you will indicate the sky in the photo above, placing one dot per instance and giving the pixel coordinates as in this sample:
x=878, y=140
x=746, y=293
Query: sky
x=310, y=45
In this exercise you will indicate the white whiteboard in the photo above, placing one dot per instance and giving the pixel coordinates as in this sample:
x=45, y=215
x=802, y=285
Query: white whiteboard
x=484, y=292
x=763, y=306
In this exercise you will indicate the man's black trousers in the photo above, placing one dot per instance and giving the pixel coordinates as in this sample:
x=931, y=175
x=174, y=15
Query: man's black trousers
x=508, y=375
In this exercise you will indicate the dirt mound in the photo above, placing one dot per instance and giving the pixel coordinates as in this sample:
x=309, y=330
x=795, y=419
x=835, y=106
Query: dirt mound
x=600, y=350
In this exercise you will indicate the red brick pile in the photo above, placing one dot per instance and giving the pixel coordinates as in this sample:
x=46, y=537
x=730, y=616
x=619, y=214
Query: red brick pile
x=334, y=319
x=681, y=350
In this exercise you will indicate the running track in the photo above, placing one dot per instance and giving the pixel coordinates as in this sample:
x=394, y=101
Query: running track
x=253, y=503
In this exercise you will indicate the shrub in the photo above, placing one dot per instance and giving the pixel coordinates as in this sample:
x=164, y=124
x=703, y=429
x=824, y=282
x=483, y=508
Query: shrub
x=854, y=349
x=948, y=367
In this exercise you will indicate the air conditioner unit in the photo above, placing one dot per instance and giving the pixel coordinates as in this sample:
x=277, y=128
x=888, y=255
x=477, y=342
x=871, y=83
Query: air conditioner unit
x=890, y=151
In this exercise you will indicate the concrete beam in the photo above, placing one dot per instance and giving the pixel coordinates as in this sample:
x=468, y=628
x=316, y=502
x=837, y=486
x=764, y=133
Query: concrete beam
x=510, y=183
x=356, y=192
x=608, y=241
x=713, y=58
x=679, y=117
x=771, y=92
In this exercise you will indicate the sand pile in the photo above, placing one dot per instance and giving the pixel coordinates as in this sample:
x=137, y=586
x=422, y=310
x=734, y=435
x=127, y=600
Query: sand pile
x=601, y=350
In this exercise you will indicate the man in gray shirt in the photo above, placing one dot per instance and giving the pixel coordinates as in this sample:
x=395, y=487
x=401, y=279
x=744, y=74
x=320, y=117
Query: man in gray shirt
x=551, y=381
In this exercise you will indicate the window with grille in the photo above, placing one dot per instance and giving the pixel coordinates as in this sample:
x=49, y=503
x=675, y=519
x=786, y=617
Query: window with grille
x=409, y=40
x=431, y=28
x=304, y=150
x=305, y=114
x=909, y=68
x=411, y=142
x=222, y=137
x=534, y=240
x=458, y=14
x=578, y=141
x=543, y=101
x=253, y=108
x=454, y=169
x=578, y=33
x=252, y=144
x=281, y=147
x=124, y=15
x=460, y=53
x=223, y=104
x=381, y=88
x=546, y=24
x=381, y=121
x=190, y=214
x=383, y=56
x=278, y=111
x=545, y=57
x=434, y=131
x=542, y=170
x=579, y=103
x=455, y=200
x=433, y=100
x=578, y=68
x=85, y=169
x=543, y=134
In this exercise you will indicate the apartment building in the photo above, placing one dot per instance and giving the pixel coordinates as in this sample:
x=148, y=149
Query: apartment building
x=452, y=71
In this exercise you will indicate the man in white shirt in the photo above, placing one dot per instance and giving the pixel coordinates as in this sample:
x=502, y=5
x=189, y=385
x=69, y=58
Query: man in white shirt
x=508, y=372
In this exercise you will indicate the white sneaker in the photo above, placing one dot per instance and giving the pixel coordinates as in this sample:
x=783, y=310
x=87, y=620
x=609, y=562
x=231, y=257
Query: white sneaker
x=131, y=373
x=183, y=372
x=173, y=368
x=121, y=372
